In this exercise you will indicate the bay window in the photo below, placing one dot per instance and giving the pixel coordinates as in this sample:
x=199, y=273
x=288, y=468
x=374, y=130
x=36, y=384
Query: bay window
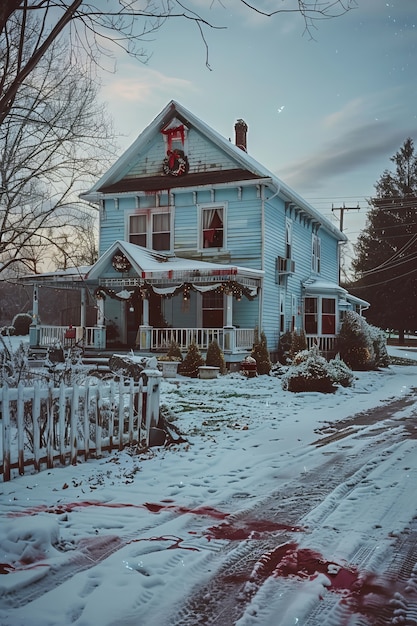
x=320, y=316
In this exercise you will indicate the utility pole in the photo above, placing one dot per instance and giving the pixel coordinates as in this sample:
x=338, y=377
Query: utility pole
x=342, y=210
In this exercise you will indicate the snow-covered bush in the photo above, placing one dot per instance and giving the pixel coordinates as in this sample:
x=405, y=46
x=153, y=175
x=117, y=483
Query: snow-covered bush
x=7, y=331
x=340, y=372
x=379, y=342
x=21, y=323
x=361, y=346
x=311, y=372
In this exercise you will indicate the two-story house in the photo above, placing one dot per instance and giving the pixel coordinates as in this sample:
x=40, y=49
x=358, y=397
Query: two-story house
x=198, y=241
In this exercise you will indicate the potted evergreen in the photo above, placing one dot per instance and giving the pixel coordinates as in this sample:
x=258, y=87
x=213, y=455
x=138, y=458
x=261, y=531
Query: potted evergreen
x=169, y=362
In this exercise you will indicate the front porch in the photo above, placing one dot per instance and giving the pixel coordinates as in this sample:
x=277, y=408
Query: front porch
x=231, y=340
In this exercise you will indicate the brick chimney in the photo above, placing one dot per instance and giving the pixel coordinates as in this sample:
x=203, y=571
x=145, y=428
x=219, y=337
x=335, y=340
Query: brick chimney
x=241, y=129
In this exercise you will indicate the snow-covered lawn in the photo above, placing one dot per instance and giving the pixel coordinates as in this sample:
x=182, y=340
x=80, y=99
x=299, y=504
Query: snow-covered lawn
x=279, y=509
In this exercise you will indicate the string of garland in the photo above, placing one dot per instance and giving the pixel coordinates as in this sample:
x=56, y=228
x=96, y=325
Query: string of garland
x=230, y=286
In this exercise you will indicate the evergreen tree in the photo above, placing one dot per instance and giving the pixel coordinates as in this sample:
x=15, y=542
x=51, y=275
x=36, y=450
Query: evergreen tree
x=191, y=363
x=215, y=356
x=386, y=252
x=261, y=354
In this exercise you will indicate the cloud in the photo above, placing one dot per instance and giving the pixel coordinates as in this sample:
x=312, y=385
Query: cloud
x=142, y=85
x=348, y=152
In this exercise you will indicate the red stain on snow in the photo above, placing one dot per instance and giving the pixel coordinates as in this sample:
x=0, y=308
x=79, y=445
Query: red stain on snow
x=363, y=592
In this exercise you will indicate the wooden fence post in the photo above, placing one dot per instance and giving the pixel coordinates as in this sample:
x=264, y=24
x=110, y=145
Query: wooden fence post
x=152, y=399
x=20, y=428
x=6, y=432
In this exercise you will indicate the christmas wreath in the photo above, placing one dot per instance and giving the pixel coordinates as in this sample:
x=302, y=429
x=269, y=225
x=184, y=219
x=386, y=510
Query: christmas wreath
x=121, y=263
x=175, y=163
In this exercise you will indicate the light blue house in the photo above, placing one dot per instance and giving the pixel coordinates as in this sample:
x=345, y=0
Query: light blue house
x=198, y=241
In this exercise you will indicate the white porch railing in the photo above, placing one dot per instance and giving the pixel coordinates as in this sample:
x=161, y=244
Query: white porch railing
x=326, y=343
x=48, y=336
x=231, y=339
x=202, y=337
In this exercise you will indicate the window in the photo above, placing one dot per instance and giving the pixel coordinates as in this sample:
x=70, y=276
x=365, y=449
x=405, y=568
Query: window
x=315, y=256
x=310, y=316
x=328, y=316
x=151, y=230
x=212, y=220
x=320, y=316
x=288, y=238
x=137, y=230
x=212, y=309
x=161, y=235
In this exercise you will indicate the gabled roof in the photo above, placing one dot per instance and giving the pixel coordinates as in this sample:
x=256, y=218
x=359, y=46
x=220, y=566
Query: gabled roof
x=247, y=168
x=150, y=265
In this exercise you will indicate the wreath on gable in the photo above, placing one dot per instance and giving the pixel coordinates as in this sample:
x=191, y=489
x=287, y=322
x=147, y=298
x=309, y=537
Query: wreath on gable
x=120, y=262
x=175, y=163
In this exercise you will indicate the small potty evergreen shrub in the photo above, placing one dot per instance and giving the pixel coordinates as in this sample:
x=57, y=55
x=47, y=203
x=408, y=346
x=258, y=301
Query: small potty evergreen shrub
x=260, y=354
x=215, y=356
x=192, y=361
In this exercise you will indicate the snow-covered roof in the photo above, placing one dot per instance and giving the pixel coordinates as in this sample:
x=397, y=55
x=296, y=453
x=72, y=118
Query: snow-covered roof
x=149, y=265
x=129, y=157
x=317, y=285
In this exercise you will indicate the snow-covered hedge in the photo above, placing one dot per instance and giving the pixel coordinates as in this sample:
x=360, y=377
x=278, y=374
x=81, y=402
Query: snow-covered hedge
x=312, y=372
x=362, y=346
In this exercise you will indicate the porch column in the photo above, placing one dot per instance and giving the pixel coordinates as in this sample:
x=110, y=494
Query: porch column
x=83, y=313
x=100, y=332
x=229, y=339
x=145, y=331
x=34, y=330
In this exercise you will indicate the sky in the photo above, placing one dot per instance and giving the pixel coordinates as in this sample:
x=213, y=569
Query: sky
x=298, y=504
x=326, y=110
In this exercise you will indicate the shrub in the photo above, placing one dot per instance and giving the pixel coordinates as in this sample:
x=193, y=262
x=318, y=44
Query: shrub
x=192, y=361
x=341, y=374
x=362, y=346
x=21, y=323
x=311, y=372
x=7, y=331
x=174, y=352
x=290, y=344
x=260, y=354
x=284, y=348
x=215, y=356
x=379, y=343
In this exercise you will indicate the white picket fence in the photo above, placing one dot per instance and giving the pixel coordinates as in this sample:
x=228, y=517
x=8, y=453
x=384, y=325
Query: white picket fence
x=46, y=425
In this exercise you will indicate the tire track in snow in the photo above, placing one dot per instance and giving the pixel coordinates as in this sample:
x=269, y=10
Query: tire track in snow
x=220, y=601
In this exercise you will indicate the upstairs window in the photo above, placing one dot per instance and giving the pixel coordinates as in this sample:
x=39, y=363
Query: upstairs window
x=151, y=230
x=212, y=227
x=315, y=254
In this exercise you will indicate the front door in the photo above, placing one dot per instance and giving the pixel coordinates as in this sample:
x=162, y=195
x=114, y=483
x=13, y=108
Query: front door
x=212, y=310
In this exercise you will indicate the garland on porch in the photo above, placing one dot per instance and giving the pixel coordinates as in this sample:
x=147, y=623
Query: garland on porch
x=227, y=287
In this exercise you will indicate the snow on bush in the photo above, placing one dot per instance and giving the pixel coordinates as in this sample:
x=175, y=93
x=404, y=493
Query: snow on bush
x=362, y=346
x=311, y=372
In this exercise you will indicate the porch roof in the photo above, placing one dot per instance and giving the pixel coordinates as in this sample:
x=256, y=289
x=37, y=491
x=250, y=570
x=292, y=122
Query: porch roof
x=315, y=285
x=154, y=267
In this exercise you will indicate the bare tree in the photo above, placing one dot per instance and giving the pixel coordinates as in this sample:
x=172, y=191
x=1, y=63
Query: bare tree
x=125, y=23
x=54, y=140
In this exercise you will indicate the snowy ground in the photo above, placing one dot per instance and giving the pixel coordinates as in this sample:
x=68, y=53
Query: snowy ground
x=280, y=509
